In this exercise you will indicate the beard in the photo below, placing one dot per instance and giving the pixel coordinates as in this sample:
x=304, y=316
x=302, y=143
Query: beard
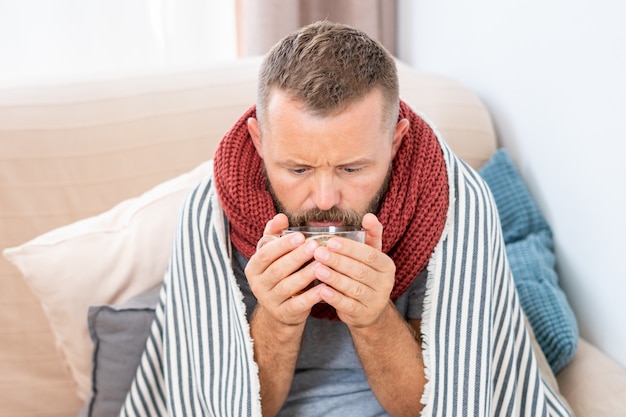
x=345, y=217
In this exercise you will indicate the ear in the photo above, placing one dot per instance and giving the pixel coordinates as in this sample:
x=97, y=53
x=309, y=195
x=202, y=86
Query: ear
x=255, y=134
x=401, y=129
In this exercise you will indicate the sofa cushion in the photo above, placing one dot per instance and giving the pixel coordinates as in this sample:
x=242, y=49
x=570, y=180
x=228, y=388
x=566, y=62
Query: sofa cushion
x=529, y=248
x=119, y=334
x=594, y=383
x=105, y=259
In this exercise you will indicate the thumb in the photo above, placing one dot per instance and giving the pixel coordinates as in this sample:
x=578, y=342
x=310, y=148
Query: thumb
x=276, y=225
x=373, y=231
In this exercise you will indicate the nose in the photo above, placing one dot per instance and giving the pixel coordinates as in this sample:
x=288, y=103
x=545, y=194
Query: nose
x=326, y=193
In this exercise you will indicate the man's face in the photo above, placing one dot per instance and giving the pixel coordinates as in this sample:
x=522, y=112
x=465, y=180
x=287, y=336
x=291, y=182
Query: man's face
x=327, y=170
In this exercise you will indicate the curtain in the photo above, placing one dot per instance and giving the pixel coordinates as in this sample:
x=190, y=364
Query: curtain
x=262, y=23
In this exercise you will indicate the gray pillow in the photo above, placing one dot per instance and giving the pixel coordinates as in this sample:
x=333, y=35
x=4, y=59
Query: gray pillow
x=119, y=333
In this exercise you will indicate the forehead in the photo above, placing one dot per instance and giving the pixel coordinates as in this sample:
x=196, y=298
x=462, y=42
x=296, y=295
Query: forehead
x=290, y=129
x=282, y=110
x=278, y=98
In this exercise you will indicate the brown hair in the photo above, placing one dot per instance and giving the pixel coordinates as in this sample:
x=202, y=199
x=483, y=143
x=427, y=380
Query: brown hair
x=326, y=67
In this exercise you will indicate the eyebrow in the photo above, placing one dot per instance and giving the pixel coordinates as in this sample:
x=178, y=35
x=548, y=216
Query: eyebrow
x=360, y=161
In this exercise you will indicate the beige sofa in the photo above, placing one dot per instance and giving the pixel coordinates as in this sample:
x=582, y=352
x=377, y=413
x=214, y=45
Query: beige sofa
x=69, y=151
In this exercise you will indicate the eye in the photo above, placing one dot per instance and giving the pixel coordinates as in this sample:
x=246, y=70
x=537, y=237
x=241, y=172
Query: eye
x=351, y=170
x=298, y=171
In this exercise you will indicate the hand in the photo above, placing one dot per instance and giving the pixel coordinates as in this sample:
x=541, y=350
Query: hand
x=357, y=278
x=277, y=278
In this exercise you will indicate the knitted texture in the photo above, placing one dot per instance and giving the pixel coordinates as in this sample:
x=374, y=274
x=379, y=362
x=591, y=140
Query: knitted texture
x=413, y=211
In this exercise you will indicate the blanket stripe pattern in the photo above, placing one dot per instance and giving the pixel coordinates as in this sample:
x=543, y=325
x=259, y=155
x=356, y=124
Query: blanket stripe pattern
x=472, y=316
x=478, y=355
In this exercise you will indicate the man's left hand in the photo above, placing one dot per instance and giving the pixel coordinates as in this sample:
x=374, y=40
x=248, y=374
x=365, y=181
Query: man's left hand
x=357, y=278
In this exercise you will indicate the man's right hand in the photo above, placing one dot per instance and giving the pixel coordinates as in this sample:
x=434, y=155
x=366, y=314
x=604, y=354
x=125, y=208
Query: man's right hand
x=277, y=278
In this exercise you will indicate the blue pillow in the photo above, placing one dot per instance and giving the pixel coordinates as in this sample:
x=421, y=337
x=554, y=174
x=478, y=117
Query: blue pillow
x=529, y=248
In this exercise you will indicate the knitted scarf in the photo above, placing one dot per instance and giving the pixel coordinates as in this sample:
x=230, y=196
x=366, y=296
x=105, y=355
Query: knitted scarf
x=413, y=211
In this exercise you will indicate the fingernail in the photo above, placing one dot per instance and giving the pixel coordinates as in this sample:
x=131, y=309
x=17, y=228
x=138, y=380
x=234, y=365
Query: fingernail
x=297, y=238
x=265, y=239
x=322, y=272
x=310, y=247
x=333, y=244
x=326, y=292
x=322, y=254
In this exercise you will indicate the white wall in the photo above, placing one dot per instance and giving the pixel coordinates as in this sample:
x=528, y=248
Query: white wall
x=42, y=40
x=553, y=75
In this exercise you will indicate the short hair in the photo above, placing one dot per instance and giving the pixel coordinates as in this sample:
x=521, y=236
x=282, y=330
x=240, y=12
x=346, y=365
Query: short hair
x=328, y=66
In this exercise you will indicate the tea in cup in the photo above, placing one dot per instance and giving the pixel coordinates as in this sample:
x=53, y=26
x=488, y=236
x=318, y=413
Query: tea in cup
x=322, y=234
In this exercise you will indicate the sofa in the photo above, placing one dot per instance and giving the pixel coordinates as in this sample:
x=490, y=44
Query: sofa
x=92, y=173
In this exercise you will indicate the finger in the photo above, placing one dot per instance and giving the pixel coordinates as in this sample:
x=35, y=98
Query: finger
x=338, y=253
x=272, y=230
x=357, y=278
x=271, y=251
x=277, y=262
x=293, y=296
x=355, y=288
x=265, y=239
x=297, y=308
x=373, y=231
x=300, y=252
x=276, y=225
x=296, y=283
x=345, y=306
x=341, y=264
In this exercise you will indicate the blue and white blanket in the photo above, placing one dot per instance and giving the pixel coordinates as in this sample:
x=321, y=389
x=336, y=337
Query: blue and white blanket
x=478, y=354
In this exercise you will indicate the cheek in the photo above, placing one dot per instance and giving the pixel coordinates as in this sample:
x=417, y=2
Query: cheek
x=290, y=193
x=358, y=196
x=292, y=197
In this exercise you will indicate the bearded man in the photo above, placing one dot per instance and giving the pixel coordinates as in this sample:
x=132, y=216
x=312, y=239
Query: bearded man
x=421, y=317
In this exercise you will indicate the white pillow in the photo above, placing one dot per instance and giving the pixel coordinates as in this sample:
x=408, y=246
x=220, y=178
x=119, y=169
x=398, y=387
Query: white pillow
x=105, y=259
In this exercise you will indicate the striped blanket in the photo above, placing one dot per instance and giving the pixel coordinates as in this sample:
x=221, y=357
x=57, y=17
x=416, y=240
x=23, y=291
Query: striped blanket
x=478, y=355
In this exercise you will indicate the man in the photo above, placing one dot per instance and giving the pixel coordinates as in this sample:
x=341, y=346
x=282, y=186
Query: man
x=422, y=317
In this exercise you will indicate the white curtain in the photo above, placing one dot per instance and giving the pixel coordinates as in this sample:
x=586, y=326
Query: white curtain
x=42, y=39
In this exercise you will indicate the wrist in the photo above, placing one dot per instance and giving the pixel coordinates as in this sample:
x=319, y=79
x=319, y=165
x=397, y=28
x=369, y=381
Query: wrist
x=262, y=322
x=388, y=322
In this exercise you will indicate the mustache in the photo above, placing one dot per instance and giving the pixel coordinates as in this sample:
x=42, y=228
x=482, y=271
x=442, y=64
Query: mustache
x=334, y=215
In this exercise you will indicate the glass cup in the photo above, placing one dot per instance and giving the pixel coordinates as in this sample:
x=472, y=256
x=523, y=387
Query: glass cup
x=322, y=233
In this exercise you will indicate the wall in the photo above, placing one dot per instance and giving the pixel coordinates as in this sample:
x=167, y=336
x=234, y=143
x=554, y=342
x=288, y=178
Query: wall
x=43, y=40
x=552, y=74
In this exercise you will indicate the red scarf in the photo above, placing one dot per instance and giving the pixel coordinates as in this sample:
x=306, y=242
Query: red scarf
x=413, y=211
